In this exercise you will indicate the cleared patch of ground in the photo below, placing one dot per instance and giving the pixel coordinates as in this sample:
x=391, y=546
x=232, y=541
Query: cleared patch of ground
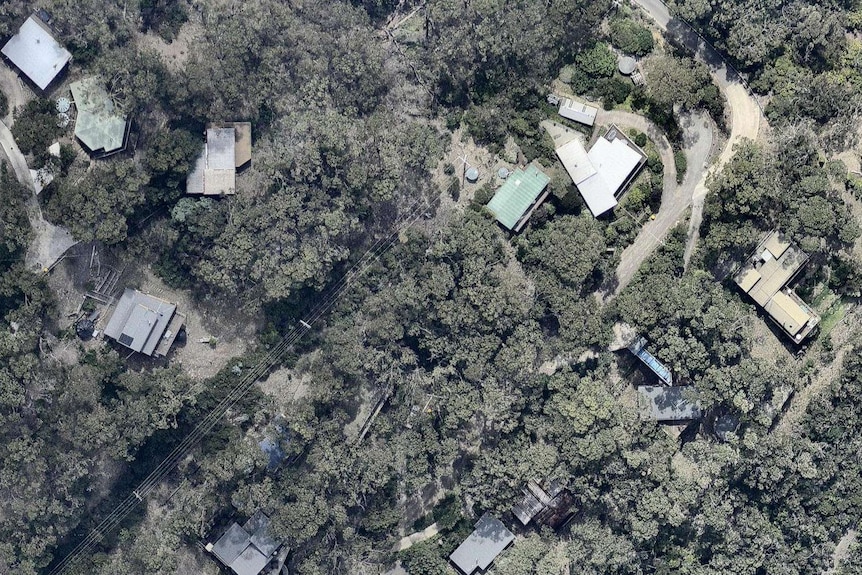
x=176, y=53
x=842, y=549
x=285, y=387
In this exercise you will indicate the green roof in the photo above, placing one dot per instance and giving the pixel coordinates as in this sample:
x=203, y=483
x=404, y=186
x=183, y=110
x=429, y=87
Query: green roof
x=517, y=195
x=100, y=125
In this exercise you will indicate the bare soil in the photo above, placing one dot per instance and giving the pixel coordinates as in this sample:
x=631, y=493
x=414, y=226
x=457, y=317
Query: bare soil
x=285, y=387
x=176, y=53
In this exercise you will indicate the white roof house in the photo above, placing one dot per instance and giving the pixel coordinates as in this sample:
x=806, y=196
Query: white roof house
x=578, y=111
x=603, y=172
x=36, y=53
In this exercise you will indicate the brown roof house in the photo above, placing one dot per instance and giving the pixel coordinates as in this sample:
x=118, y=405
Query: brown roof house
x=550, y=505
x=144, y=323
x=227, y=150
x=764, y=277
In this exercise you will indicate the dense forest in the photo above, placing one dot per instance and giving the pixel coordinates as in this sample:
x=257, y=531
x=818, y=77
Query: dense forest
x=501, y=339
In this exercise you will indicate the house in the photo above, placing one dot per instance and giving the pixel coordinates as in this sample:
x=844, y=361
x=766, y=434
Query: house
x=485, y=543
x=603, y=173
x=668, y=404
x=248, y=549
x=551, y=507
x=227, y=149
x=515, y=200
x=100, y=126
x=144, y=323
x=764, y=277
x=578, y=111
x=35, y=52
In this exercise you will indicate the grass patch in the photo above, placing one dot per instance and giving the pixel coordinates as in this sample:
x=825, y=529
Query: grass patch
x=834, y=314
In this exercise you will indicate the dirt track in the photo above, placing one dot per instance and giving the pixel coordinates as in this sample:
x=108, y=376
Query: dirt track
x=746, y=120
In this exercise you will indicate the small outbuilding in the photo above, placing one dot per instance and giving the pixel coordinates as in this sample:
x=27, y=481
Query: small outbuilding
x=227, y=150
x=100, y=126
x=481, y=548
x=550, y=505
x=578, y=112
x=248, y=549
x=517, y=199
x=35, y=52
x=669, y=404
x=144, y=323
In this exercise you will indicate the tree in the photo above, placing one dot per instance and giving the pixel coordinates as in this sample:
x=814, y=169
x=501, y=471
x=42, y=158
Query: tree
x=36, y=128
x=631, y=37
x=96, y=205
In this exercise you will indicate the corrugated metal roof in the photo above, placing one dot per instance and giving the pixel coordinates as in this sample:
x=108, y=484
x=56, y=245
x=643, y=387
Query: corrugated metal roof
x=36, y=53
x=231, y=544
x=668, y=403
x=139, y=321
x=578, y=111
x=514, y=198
x=485, y=543
x=100, y=125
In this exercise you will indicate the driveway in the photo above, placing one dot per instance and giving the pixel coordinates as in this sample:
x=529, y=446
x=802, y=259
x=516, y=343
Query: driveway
x=746, y=118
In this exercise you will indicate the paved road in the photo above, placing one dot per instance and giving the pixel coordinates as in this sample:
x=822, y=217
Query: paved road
x=746, y=118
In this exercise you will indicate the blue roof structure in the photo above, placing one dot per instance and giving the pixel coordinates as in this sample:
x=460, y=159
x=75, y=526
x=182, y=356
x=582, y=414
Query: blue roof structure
x=663, y=373
x=273, y=450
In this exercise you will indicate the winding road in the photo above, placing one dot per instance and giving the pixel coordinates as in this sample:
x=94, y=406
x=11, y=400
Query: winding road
x=746, y=119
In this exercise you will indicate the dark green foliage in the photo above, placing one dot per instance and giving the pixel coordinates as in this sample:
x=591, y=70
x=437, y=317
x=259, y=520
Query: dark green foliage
x=15, y=230
x=613, y=91
x=631, y=37
x=163, y=16
x=96, y=205
x=170, y=156
x=681, y=162
x=4, y=104
x=36, y=128
x=424, y=559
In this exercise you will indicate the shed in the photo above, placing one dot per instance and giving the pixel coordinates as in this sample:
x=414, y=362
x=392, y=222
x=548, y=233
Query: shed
x=100, y=125
x=578, y=111
x=36, y=53
x=485, y=543
x=144, y=323
x=515, y=201
x=668, y=404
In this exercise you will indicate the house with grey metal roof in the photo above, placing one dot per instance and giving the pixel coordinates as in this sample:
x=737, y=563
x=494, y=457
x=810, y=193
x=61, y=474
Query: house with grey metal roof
x=248, y=549
x=227, y=149
x=485, y=543
x=669, y=404
x=35, y=52
x=100, y=125
x=144, y=323
x=517, y=199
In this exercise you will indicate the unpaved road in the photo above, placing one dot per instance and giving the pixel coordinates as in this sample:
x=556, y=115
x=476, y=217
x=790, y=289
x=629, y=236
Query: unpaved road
x=675, y=200
x=50, y=242
x=629, y=120
x=746, y=119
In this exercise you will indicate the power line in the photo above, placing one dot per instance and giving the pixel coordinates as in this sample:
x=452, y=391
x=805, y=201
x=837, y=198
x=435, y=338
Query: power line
x=270, y=360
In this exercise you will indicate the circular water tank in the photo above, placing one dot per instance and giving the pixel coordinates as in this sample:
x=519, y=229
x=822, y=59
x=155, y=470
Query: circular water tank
x=63, y=119
x=503, y=173
x=627, y=65
x=63, y=105
x=472, y=175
